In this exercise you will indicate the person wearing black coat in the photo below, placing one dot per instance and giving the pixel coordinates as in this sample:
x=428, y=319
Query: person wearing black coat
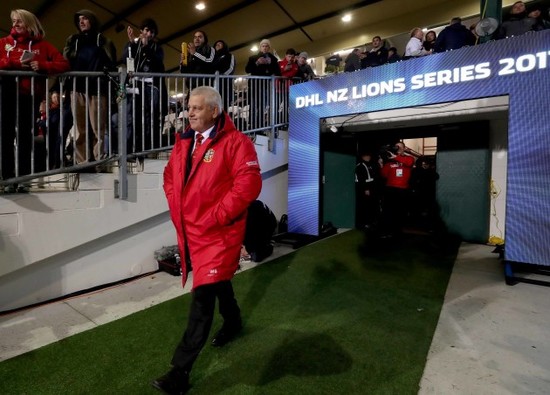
x=224, y=64
x=263, y=64
x=454, y=36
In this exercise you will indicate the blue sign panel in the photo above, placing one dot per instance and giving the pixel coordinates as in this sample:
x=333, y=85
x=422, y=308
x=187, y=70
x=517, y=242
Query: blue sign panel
x=518, y=67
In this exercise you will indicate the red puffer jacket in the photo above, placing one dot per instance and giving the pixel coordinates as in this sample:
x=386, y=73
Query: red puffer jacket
x=209, y=210
x=50, y=60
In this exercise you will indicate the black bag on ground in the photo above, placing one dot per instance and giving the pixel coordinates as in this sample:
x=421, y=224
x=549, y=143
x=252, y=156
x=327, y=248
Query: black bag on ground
x=260, y=225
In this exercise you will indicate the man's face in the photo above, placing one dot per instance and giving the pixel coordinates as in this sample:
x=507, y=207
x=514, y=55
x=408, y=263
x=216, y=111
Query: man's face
x=302, y=60
x=218, y=46
x=198, y=39
x=366, y=157
x=376, y=42
x=149, y=34
x=518, y=8
x=289, y=58
x=84, y=23
x=201, y=116
x=400, y=148
x=264, y=48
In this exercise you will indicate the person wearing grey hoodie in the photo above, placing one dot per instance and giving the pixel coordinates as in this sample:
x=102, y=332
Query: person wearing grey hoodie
x=89, y=50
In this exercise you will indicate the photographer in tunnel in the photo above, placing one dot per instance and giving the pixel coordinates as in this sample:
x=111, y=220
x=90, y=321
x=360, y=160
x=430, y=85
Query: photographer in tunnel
x=397, y=164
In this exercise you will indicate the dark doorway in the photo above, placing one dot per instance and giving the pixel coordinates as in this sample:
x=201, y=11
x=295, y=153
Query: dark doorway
x=463, y=162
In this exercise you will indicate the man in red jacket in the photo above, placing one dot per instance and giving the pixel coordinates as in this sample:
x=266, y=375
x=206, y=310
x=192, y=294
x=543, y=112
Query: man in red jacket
x=397, y=172
x=210, y=180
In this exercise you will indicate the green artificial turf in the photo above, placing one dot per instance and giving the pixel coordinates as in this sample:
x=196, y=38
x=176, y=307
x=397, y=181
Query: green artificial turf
x=340, y=316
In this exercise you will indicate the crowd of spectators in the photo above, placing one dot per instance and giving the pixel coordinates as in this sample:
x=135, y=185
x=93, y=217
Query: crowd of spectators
x=84, y=105
x=520, y=19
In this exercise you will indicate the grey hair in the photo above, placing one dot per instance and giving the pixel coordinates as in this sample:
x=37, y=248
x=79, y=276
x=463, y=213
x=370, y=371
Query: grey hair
x=211, y=96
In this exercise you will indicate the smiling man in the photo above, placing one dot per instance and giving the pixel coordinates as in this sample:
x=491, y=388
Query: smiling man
x=210, y=180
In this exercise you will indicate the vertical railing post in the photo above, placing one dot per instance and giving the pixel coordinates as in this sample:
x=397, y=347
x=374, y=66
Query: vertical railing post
x=122, y=126
x=273, y=112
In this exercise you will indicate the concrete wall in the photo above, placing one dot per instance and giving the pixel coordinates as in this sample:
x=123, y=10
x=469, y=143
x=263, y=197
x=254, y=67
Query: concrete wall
x=53, y=244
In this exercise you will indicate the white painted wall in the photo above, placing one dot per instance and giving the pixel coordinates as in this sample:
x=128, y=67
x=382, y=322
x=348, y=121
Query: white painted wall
x=53, y=244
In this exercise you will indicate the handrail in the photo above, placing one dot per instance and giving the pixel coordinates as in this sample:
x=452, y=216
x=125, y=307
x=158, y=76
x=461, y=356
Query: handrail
x=255, y=104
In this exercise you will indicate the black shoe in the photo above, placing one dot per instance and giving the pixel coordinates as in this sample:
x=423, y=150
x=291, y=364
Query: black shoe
x=175, y=382
x=226, y=334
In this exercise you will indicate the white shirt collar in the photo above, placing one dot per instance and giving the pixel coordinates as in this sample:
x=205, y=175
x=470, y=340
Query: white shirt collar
x=206, y=133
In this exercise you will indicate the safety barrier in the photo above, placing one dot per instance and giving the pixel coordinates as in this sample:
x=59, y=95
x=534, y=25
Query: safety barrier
x=88, y=122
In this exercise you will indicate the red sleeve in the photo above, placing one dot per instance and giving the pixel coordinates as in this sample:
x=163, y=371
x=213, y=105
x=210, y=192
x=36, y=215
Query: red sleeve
x=54, y=63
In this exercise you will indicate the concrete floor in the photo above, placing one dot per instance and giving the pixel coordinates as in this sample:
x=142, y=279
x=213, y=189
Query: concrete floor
x=491, y=338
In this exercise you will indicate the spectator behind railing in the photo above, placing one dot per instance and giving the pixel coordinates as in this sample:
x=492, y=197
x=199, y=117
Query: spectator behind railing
x=224, y=63
x=454, y=36
x=536, y=13
x=305, y=71
x=517, y=22
x=89, y=50
x=353, y=61
x=429, y=40
x=263, y=64
x=24, y=49
x=145, y=108
x=393, y=56
x=414, y=47
x=377, y=55
x=200, y=60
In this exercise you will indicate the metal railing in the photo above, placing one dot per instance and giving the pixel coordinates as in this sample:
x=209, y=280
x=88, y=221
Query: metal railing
x=87, y=122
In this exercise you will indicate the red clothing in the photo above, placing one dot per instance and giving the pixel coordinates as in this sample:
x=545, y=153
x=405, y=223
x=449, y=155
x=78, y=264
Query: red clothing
x=50, y=60
x=292, y=72
x=398, y=171
x=209, y=210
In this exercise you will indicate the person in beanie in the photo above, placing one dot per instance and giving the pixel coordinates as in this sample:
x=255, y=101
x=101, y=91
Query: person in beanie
x=89, y=50
x=144, y=100
x=304, y=68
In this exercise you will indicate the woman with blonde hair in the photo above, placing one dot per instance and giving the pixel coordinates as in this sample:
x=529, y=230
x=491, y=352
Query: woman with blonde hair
x=24, y=49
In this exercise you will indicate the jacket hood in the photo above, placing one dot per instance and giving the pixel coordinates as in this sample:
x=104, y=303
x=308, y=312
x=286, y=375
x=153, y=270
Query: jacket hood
x=88, y=14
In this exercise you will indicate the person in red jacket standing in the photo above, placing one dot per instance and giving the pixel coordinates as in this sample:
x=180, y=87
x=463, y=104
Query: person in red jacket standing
x=397, y=172
x=211, y=178
x=24, y=49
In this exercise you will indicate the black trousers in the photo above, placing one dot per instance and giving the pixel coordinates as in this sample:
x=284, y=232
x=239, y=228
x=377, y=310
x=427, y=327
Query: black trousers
x=394, y=209
x=200, y=320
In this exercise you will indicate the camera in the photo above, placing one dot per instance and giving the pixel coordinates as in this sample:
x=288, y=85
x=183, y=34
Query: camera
x=385, y=150
x=391, y=148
